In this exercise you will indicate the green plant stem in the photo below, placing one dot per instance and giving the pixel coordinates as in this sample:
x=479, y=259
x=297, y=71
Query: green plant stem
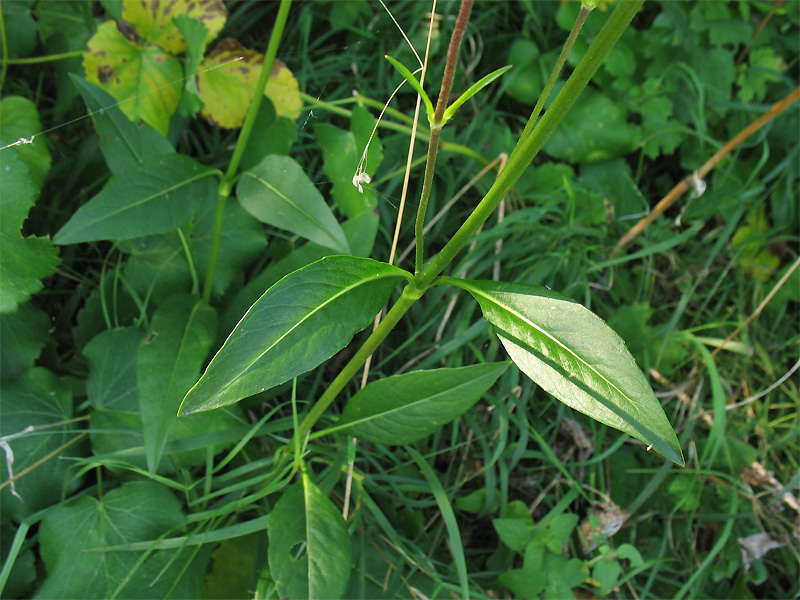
x=562, y=58
x=4, y=48
x=34, y=60
x=527, y=148
x=226, y=184
x=436, y=129
x=410, y=295
x=520, y=158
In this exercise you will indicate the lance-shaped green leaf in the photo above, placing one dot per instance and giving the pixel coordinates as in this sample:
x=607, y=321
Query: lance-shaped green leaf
x=415, y=84
x=124, y=144
x=157, y=196
x=474, y=89
x=278, y=192
x=168, y=362
x=310, y=553
x=301, y=321
x=406, y=408
x=572, y=354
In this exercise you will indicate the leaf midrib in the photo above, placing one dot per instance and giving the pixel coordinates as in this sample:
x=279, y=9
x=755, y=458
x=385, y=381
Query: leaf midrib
x=564, y=347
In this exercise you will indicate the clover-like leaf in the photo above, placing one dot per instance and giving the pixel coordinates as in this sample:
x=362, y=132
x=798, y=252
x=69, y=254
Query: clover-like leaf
x=146, y=81
x=153, y=20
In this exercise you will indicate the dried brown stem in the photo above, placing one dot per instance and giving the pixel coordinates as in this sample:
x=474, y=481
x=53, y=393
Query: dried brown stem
x=712, y=162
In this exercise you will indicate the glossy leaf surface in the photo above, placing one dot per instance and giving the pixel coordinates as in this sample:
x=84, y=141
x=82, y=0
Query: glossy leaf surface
x=278, y=192
x=157, y=196
x=301, y=321
x=572, y=354
x=408, y=407
x=306, y=516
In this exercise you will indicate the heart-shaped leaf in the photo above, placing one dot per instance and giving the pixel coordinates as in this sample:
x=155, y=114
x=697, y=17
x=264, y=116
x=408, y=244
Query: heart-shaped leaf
x=301, y=321
x=406, y=408
x=572, y=354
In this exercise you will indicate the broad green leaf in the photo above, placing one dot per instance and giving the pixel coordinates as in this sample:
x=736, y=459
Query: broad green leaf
x=301, y=321
x=513, y=533
x=406, y=408
x=342, y=151
x=145, y=81
x=116, y=423
x=19, y=120
x=234, y=562
x=307, y=519
x=111, y=384
x=572, y=354
x=19, y=27
x=73, y=538
x=278, y=192
x=168, y=362
x=24, y=333
x=124, y=144
x=226, y=81
x=360, y=232
x=23, y=261
x=153, y=20
x=38, y=399
x=157, y=196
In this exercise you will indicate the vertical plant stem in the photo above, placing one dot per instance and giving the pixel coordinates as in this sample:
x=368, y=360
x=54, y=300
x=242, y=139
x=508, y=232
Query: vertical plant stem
x=527, y=148
x=410, y=295
x=225, y=185
x=562, y=58
x=436, y=128
x=4, y=49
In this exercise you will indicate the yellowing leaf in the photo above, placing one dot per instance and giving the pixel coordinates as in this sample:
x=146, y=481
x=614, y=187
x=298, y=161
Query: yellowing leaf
x=145, y=81
x=227, y=78
x=750, y=241
x=153, y=20
x=284, y=91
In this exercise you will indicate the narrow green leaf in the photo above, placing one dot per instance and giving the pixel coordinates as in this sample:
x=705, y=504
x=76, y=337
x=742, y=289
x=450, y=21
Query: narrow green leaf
x=406, y=408
x=124, y=144
x=156, y=196
x=168, y=362
x=310, y=553
x=301, y=321
x=572, y=354
x=474, y=89
x=415, y=84
x=278, y=192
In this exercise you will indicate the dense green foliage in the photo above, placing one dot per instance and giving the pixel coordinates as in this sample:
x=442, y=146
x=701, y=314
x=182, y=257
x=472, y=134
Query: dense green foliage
x=139, y=242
